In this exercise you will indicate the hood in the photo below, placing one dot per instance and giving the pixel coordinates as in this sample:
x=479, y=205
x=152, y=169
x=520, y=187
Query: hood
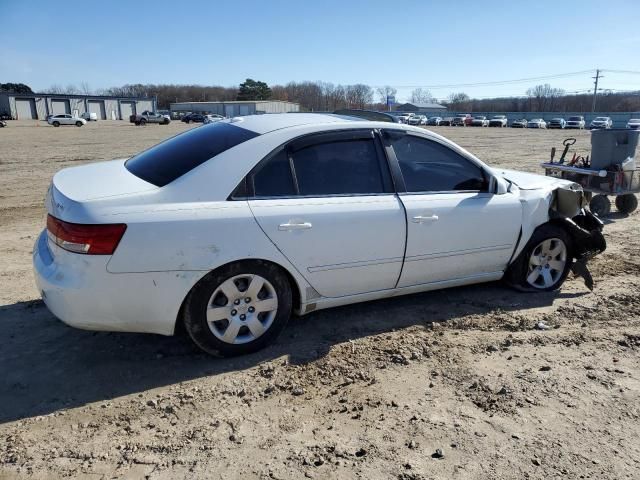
x=530, y=181
x=99, y=180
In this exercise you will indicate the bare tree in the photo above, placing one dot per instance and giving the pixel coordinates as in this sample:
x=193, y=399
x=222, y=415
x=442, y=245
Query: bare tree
x=420, y=95
x=55, y=88
x=543, y=97
x=385, y=92
x=459, y=101
x=71, y=89
x=359, y=95
x=85, y=88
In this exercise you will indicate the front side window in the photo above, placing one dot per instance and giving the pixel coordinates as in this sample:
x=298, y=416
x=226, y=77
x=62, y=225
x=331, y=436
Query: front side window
x=429, y=166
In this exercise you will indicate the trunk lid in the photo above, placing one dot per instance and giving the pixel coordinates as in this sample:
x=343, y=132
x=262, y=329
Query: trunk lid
x=74, y=189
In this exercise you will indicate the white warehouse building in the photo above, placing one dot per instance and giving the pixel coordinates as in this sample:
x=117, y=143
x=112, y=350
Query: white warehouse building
x=235, y=108
x=37, y=106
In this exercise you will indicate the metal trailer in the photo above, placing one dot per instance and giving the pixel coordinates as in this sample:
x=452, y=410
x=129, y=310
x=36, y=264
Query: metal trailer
x=611, y=170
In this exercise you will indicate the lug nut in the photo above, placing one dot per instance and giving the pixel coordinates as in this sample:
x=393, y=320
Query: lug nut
x=233, y=312
x=247, y=300
x=243, y=316
x=251, y=309
x=236, y=302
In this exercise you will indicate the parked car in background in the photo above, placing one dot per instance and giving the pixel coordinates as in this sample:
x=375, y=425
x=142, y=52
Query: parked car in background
x=521, y=123
x=557, y=123
x=150, y=117
x=66, y=119
x=227, y=229
x=446, y=122
x=403, y=118
x=498, y=121
x=536, y=123
x=601, y=123
x=459, y=121
x=634, y=124
x=212, y=118
x=417, y=120
x=575, y=122
x=480, y=121
x=435, y=121
x=90, y=116
x=193, y=117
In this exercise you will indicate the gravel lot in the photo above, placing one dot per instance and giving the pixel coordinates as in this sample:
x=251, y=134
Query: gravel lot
x=453, y=384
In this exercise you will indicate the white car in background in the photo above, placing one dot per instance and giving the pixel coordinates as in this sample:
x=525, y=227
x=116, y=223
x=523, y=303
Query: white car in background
x=536, y=123
x=601, y=122
x=498, y=121
x=575, y=122
x=404, y=118
x=634, y=124
x=65, y=119
x=417, y=120
x=212, y=118
x=229, y=228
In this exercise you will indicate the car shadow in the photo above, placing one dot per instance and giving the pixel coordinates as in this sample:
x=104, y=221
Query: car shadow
x=47, y=366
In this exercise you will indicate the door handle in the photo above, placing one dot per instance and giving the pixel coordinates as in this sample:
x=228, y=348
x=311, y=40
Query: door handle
x=425, y=218
x=294, y=226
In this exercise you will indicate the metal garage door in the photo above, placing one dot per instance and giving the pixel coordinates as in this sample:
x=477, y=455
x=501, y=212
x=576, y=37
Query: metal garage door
x=244, y=109
x=97, y=107
x=229, y=111
x=26, y=109
x=60, y=107
x=127, y=109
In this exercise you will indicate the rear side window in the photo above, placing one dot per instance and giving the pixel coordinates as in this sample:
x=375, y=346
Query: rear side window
x=338, y=168
x=163, y=163
x=429, y=166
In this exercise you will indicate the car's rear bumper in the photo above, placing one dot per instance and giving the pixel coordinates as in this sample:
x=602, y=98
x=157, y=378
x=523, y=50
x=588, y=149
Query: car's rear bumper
x=80, y=291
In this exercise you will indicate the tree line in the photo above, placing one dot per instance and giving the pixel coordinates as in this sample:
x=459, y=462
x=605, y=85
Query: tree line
x=326, y=96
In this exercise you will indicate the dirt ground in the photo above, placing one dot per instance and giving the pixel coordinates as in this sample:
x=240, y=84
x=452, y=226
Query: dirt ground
x=455, y=384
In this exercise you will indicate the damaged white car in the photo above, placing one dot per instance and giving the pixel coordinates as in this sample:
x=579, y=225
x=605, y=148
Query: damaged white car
x=230, y=228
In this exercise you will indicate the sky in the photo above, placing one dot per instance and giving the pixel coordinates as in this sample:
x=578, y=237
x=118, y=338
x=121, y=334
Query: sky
x=404, y=44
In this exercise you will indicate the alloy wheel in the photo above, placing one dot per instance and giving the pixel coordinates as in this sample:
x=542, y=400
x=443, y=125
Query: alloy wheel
x=547, y=263
x=242, y=308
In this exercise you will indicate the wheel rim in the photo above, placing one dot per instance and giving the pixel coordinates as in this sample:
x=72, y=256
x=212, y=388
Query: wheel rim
x=242, y=309
x=547, y=263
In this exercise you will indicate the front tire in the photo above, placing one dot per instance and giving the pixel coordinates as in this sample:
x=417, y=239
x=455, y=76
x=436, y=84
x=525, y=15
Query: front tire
x=239, y=308
x=600, y=205
x=56, y=124
x=545, y=262
x=78, y=124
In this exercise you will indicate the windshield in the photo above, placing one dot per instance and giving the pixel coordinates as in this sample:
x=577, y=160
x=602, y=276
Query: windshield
x=576, y=119
x=498, y=117
x=163, y=163
x=601, y=119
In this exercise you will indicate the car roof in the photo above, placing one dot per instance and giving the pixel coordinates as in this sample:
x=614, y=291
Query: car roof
x=269, y=122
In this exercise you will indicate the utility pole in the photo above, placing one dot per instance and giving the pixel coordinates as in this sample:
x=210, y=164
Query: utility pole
x=595, y=90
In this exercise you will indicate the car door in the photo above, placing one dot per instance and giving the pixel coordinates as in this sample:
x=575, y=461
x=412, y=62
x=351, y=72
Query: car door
x=327, y=203
x=456, y=228
x=67, y=120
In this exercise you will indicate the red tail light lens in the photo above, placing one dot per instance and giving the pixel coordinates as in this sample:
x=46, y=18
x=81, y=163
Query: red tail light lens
x=100, y=239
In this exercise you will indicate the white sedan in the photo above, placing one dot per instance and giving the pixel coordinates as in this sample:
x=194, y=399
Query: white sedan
x=536, y=123
x=66, y=119
x=229, y=228
x=212, y=118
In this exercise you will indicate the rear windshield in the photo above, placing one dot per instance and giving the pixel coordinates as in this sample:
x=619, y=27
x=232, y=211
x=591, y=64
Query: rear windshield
x=163, y=163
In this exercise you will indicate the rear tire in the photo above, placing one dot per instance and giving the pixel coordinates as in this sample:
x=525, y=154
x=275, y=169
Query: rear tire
x=143, y=122
x=600, y=205
x=56, y=124
x=626, y=203
x=239, y=308
x=544, y=263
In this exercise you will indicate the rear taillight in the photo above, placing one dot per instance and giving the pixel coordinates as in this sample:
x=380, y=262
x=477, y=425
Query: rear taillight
x=100, y=239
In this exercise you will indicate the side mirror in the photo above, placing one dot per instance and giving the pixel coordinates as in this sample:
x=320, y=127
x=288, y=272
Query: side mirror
x=502, y=186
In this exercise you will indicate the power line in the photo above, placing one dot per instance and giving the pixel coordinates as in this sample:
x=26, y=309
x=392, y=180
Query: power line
x=496, y=82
